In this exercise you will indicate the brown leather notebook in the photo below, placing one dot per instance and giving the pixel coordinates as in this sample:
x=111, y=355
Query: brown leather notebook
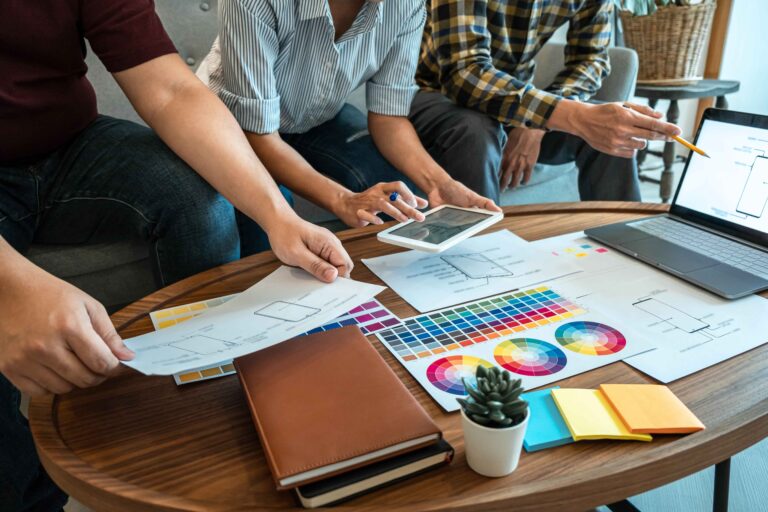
x=328, y=403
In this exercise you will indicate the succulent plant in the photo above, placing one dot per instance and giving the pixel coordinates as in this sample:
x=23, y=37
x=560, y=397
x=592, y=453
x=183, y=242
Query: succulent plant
x=495, y=400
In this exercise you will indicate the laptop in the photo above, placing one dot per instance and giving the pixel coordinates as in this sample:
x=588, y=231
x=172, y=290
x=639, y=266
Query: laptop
x=716, y=233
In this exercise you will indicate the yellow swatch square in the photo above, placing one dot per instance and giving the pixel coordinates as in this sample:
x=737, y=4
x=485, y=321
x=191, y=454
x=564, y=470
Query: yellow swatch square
x=589, y=415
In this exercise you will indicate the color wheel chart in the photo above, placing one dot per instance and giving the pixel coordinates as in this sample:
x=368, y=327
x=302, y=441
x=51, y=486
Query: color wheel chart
x=369, y=317
x=446, y=373
x=528, y=356
x=590, y=338
x=532, y=333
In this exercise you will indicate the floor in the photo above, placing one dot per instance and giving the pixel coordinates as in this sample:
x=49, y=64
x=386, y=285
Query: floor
x=749, y=485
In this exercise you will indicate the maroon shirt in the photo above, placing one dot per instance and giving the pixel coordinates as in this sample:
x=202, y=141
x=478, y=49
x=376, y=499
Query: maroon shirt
x=45, y=99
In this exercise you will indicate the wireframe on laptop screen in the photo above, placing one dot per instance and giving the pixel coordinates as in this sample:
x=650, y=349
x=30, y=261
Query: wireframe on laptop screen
x=732, y=185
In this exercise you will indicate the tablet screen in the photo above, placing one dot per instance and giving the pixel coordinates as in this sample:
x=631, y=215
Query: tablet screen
x=441, y=225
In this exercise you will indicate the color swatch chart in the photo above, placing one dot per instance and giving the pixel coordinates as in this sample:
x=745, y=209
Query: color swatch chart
x=581, y=250
x=369, y=317
x=164, y=318
x=538, y=335
x=435, y=333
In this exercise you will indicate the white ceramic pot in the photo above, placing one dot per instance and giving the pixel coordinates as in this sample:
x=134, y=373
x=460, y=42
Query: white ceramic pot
x=493, y=451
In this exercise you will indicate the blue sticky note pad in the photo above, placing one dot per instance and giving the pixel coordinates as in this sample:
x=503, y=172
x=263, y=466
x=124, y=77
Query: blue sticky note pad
x=546, y=427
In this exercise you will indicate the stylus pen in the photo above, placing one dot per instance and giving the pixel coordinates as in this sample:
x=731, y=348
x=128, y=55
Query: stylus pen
x=690, y=146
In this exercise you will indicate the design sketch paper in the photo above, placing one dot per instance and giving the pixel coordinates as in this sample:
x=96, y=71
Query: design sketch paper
x=691, y=329
x=283, y=305
x=476, y=268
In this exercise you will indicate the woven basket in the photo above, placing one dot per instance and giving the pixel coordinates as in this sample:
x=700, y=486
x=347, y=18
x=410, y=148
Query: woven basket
x=669, y=43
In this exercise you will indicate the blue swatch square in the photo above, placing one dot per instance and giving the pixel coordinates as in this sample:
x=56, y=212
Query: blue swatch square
x=546, y=427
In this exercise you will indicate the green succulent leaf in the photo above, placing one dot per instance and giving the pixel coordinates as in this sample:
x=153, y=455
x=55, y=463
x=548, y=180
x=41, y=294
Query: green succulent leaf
x=481, y=372
x=480, y=419
x=514, y=409
x=474, y=408
x=476, y=394
x=496, y=416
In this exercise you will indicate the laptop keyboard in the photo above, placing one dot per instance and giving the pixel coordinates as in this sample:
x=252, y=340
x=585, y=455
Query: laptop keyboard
x=703, y=242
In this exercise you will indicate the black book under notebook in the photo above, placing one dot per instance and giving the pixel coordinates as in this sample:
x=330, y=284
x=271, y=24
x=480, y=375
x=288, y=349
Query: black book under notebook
x=368, y=478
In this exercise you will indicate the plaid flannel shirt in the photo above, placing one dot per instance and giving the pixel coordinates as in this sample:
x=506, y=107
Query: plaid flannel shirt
x=480, y=54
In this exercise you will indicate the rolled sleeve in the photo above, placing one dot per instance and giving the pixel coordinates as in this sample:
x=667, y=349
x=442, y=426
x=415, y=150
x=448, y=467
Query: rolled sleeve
x=391, y=90
x=254, y=115
x=389, y=100
x=249, y=47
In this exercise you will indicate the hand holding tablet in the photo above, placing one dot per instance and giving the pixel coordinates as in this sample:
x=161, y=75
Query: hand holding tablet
x=442, y=228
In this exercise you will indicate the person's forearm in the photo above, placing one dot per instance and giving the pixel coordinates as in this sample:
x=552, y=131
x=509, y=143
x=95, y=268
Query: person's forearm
x=399, y=143
x=13, y=266
x=565, y=117
x=200, y=129
x=290, y=169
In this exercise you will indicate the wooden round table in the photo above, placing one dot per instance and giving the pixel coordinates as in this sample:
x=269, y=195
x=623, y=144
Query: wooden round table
x=142, y=443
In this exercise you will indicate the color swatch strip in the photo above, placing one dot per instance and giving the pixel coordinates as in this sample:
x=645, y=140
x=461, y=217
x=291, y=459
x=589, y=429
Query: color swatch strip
x=477, y=322
x=164, y=318
x=369, y=317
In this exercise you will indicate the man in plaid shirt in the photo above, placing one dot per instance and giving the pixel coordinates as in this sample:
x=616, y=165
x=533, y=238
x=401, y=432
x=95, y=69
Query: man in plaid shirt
x=483, y=120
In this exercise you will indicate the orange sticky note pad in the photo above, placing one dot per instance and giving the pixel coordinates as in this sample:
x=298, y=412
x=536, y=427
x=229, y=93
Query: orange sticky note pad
x=651, y=409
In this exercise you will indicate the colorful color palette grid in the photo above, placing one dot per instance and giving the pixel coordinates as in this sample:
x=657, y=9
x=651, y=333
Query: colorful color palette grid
x=370, y=317
x=528, y=356
x=490, y=319
x=590, y=338
x=446, y=373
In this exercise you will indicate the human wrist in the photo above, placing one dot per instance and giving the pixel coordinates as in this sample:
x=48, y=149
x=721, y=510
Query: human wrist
x=337, y=200
x=567, y=116
x=434, y=178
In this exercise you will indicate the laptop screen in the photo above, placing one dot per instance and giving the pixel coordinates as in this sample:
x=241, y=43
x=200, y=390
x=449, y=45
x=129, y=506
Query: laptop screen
x=732, y=185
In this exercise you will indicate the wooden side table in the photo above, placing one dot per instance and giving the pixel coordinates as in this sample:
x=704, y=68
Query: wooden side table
x=703, y=89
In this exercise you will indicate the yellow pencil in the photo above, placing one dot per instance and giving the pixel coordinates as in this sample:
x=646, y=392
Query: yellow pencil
x=690, y=146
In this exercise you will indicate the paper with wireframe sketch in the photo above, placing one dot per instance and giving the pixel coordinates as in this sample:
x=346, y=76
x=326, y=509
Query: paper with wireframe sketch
x=281, y=306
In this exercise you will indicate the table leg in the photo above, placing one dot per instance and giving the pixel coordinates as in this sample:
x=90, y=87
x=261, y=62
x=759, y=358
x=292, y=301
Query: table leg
x=667, y=176
x=721, y=102
x=722, y=483
x=622, y=506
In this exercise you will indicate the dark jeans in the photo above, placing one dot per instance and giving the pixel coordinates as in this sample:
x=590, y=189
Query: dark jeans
x=468, y=144
x=343, y=150
x=115, y=180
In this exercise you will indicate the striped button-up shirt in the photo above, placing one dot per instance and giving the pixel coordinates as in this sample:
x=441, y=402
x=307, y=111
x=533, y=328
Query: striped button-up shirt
x=277, y=67
x=480, y=54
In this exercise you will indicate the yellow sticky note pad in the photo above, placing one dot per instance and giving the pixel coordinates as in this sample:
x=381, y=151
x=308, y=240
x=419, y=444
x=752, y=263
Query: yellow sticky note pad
x=651, y=409
x=589, y=415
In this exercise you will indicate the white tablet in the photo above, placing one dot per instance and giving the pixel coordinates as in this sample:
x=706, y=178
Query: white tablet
x=443, y=227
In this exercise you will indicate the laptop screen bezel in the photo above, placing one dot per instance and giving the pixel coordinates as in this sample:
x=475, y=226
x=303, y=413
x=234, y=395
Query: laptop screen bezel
x=710, y=221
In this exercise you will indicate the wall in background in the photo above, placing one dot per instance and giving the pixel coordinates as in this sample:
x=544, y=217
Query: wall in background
x=745, y=56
